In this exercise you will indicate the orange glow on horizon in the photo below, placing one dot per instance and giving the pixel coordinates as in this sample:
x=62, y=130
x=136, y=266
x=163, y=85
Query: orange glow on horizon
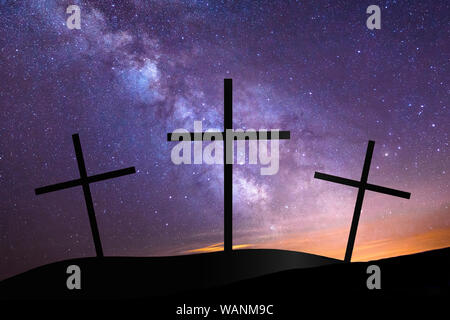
x=333, y=243
x=217, y=247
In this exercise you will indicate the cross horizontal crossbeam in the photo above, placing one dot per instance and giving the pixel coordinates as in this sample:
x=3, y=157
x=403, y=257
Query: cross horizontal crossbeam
x=210, y=136
x=91, y=179
x=358, y=184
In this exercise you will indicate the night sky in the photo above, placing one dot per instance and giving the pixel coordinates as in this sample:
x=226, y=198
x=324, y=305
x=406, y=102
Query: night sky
x=140, y=69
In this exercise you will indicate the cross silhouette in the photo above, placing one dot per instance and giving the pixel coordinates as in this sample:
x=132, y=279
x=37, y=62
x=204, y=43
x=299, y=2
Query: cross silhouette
x=362, y=186
x=84, y=181
x=228, y=167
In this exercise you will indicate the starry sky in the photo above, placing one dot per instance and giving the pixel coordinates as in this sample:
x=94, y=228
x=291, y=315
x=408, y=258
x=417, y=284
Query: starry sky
x=137, y=70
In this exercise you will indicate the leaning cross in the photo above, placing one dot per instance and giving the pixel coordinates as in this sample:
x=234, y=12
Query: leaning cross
x=228, y=167
x=362, y=186
x=84, y=181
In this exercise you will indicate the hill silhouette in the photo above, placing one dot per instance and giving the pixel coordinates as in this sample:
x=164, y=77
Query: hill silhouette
x=254, y=275
x=138, y=277
x=425, y=274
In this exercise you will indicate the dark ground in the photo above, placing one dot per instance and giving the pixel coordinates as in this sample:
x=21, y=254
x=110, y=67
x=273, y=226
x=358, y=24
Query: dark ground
x=288, y=280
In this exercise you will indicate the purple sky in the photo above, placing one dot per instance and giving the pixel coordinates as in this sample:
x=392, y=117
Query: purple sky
x=139, y=69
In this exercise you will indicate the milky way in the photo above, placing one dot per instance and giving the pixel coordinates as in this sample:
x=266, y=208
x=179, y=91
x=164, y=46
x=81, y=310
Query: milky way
x=137, y=70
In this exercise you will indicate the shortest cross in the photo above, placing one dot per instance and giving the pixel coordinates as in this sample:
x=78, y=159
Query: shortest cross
x=84, y=181
x=362, y=186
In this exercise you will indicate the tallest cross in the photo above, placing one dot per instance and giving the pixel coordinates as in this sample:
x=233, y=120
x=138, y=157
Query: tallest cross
x=228, y=158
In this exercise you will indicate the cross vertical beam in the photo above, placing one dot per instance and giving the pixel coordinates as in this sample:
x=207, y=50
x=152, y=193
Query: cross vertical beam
x=359, y=202
x=228, y=167
x=87, y=195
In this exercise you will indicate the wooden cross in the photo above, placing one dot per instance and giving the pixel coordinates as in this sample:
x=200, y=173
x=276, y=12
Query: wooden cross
x=228, y=167
x=362, y=186
x=84, y=181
